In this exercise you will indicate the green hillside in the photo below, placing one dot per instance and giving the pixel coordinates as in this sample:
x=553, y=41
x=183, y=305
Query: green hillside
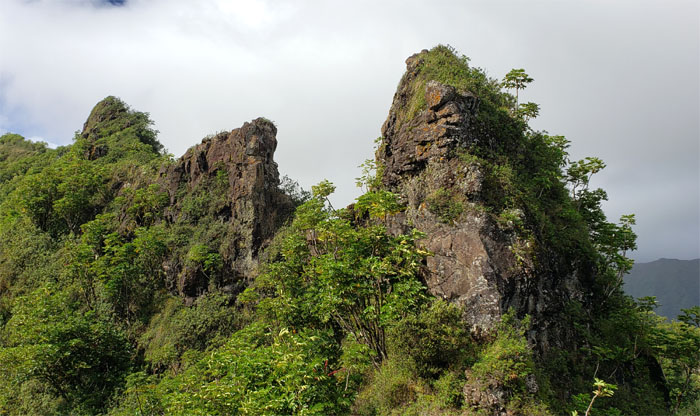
x=476, y=275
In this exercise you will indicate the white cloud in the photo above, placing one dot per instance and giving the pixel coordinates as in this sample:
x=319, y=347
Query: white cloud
x=38, y=139
x=618, y=78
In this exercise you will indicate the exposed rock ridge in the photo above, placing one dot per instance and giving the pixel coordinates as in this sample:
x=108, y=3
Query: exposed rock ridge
x=479, y=263
x=413, y=139
x=254, y=206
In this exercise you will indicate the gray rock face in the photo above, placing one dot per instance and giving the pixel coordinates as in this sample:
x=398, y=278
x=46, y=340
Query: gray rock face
x=478, y=262
x=253, y=207
x=490, y=399
x=411, y=139
x=473, y=262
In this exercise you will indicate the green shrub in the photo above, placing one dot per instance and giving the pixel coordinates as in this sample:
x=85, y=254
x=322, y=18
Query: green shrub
x=507, y=360
x=392, y=386
x=71, y=357
x=140, y=397
x=177, y=328
x=691, y=409
x=361, y=279
x=448, y=389
x=436, y=339
x=258, y=372
x=201, y=257
x=443, y=204
x=395, y=389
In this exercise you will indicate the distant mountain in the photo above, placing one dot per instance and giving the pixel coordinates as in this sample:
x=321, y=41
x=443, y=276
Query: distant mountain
x=675, y=283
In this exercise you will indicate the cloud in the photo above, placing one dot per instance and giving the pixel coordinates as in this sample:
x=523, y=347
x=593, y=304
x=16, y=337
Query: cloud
x=38, y=139
x=619, y=79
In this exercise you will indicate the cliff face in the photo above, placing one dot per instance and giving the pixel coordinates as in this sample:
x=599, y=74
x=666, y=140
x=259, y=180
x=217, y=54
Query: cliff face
x=413, y=139
x=477, y=261
x=250, y=205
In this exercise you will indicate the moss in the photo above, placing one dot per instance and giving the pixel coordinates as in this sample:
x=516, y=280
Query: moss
x=443, y=64
x=444, y=204
x=417, y=103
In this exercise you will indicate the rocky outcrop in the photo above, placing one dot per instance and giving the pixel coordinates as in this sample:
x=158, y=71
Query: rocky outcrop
x=491, y=397
x=477, y=261
x=472, y=260
x=251, y=206
x=110, y=109
x=413, y=138
x=106, y=130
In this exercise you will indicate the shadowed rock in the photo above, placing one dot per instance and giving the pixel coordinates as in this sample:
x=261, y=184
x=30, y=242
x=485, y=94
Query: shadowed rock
x=254, y=207
x=413, y=138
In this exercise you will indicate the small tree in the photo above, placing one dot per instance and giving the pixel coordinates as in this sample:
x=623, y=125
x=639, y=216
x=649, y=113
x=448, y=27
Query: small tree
x=579, y=175
x=516, y=79
x=527, y=111
x=602, y=389
x=79, y=356
x=680, y=348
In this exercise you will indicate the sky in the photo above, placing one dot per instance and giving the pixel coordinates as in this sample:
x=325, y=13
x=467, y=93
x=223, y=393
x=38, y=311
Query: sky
x=620, y=79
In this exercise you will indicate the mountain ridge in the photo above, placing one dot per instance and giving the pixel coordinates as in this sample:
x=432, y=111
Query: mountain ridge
x=476, y=273
x=675, y=283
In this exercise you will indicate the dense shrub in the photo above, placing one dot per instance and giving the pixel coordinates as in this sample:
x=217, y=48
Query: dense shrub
x=434, y=340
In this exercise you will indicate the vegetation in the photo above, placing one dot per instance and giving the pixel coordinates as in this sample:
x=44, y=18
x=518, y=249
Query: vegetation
x=602, y=389
x=444, y=205
x=516, y=79
x=95, y=318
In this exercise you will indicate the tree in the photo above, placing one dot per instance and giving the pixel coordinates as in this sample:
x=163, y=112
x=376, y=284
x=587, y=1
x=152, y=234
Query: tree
x=579, y=175
x=516, y=79
x=256, y=372
x=602, y=389
x=680, y=348
x=527, y=111
x=81, y=193
x=80, y=356
x=334, y=272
